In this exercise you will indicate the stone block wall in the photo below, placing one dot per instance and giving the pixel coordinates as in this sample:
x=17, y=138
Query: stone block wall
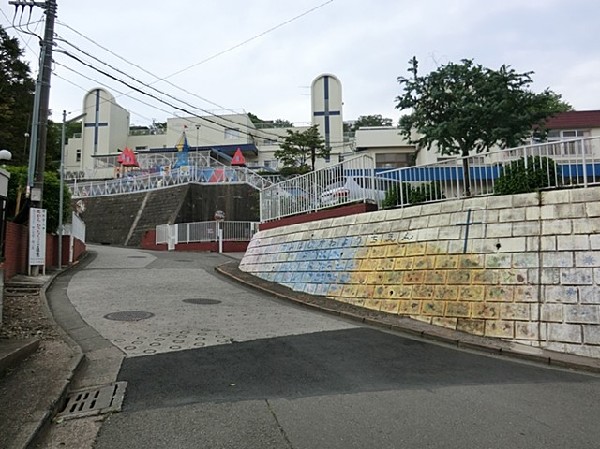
x=526, y=268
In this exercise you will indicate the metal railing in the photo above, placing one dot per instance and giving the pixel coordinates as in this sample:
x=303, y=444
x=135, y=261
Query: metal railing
x=205, y=231
x=576, y=163
x=350, y=181
x=202, y=175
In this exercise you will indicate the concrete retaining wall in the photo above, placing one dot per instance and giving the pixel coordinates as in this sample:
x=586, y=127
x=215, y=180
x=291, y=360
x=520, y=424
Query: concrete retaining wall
x=526, y=268
x=123, y=219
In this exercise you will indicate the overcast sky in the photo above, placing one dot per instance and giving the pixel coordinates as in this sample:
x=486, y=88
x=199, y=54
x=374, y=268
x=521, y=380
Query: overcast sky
x=366, y=44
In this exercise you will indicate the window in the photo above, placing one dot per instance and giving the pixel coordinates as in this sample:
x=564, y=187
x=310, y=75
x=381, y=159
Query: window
x=78, y=156
x=568, y=134
x=392, y=160
x=140, y=148
x=231, y=133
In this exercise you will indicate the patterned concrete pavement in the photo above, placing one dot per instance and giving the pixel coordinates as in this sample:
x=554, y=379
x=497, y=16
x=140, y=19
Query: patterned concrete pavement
x=173, y=302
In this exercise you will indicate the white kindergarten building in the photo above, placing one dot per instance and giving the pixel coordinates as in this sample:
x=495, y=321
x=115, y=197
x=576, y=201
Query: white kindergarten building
x=106, y=132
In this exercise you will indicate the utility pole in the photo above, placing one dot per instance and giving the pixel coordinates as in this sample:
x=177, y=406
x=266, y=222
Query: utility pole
x=39, y=125
x=62, y=182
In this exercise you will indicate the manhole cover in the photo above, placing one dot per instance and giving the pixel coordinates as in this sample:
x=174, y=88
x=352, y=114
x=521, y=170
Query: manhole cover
x=202, y=301
x=129, y=315
x=94, y=401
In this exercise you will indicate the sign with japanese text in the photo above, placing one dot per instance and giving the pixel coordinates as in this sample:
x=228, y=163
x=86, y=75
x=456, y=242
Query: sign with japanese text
x=37, y=236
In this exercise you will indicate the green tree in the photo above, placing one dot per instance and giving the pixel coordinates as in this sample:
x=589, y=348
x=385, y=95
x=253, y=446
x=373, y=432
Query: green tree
x=465, y=107
x=53, y=146
x=301, y=146
x=16, y=204
x=371, y=120
x=16, y=99
x=254, y=118
x=279, y=123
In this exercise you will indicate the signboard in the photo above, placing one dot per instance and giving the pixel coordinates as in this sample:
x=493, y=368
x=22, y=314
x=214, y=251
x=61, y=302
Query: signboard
x=37, y=236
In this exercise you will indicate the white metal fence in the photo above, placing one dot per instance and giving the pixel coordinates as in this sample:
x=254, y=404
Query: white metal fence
x=576, y=163
x=202, y=175
x=76, y=230
x=350, y=181
x=205, y=231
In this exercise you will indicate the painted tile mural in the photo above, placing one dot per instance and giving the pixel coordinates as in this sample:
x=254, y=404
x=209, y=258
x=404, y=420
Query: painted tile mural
x=538, y=288
x=392, y=273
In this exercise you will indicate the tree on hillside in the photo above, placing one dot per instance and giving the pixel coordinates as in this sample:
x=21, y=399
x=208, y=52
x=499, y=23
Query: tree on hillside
x=53, y=145
x=301, y=146
x=16, y=99
x=371, y=120
x=16, y=196
x=279, y=123
x=464, y=108
x=254, y=118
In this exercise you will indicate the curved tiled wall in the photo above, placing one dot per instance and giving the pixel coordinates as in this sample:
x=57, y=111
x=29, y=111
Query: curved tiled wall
x=526, y=268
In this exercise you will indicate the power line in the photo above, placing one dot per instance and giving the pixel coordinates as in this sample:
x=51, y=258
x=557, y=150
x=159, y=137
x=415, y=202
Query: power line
x=182, y=109
x=133, y=98
x=165, y=79
x=260, y=133
x=162, y=92
x=286, y=22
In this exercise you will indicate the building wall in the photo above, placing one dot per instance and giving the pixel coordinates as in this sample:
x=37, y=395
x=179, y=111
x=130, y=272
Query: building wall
x=16, y=250
x=530, y=272
x=211, y=131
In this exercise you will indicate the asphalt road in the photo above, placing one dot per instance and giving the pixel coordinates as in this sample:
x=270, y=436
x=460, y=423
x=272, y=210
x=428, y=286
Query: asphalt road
x=245, y=370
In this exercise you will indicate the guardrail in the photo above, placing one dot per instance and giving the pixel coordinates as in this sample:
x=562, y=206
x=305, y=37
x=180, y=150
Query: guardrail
x=205, y=231
x=576, y=163
x=350, y=181
x=202, y=175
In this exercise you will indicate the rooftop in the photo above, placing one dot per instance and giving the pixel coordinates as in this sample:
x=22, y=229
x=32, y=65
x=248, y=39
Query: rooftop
x=574, y=120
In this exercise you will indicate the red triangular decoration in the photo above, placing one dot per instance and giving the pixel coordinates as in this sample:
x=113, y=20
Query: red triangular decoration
x=238, y=158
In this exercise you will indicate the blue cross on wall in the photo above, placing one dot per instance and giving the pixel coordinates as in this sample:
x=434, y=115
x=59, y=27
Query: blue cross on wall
x=96, y=124
x=326, y=113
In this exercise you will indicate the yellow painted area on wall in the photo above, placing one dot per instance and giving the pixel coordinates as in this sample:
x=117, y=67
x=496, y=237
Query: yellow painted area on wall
x=460, y=291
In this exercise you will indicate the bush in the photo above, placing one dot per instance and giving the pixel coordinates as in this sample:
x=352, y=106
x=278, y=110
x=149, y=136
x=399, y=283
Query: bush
x=412, y=194
x=16, y=189
x=539, y=173
x=287, y=172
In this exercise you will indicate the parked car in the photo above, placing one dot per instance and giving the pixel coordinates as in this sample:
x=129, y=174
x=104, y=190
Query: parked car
x=350, y=190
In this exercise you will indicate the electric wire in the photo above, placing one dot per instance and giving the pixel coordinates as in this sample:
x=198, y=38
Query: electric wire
x=133, y=98
x=214, y=56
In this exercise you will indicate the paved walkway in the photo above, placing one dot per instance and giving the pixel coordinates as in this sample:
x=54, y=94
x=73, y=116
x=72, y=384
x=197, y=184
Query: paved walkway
x=177, y=293
x=188, y=320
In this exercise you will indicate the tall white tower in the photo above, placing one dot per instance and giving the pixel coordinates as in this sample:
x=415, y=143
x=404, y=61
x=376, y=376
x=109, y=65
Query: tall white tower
x=326, y=99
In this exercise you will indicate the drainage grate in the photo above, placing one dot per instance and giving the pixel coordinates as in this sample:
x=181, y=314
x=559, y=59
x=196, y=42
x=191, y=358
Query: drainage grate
x=202, y=301
x=136, y=257
x=184, y=260
x=94, y=401
x=129, y=315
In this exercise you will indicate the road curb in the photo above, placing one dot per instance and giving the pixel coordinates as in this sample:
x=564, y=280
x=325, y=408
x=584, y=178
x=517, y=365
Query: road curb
x=75, y=363
x=415, y=328
x=11, y=356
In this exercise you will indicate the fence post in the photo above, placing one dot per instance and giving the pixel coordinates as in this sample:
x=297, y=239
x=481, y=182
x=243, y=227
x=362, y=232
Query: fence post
x=583, y=163
x=220, y=236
